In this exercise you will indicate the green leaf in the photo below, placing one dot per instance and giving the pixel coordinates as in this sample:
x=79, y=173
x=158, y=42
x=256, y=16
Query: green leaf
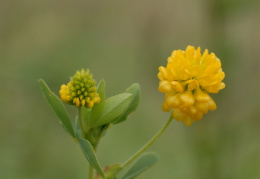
x=114, y=107
x=57, y=107
x=142, y=164
x=88, y=150
x=134, y=89
x=97, y=109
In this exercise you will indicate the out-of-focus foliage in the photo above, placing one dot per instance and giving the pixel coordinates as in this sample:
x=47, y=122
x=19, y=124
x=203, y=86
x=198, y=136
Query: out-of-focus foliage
x=125, y=42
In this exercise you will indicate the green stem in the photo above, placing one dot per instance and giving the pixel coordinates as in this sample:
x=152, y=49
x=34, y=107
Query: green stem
x=148, y=144
x=81, y=123
x=91, y=172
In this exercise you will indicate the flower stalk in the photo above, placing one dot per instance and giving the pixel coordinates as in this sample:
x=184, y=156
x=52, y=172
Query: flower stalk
x=148, y=144
x=81, y=123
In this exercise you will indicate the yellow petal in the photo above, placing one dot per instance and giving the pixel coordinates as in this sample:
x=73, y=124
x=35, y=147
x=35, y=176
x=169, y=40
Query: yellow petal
x=188, y=122
x=172, y=100
x=192, y=84
x=187, y=98
x=212, y=104
x=165, y=107
x=177, y=86
x=201, y=96
x=195, y=70
x=202, y=107
x=177, y=114
x=222, y=86
x=192, y=110
x=197, y=55
x=198, y=116
x=162, y=73
x=165, y=86
x=204, y=56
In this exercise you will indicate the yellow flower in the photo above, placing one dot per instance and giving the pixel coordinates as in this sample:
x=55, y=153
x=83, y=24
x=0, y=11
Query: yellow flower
x=81, y=90
x=186, y=81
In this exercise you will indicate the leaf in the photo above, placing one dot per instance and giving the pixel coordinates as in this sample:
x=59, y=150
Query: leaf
x=142, y=164
x=58, y=107
x=89, y=153
x=88, y=150
x=135, y=90
x=97, y=109
x=114, y=107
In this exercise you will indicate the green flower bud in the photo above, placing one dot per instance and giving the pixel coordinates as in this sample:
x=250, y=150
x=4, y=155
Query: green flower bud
x=81, y=90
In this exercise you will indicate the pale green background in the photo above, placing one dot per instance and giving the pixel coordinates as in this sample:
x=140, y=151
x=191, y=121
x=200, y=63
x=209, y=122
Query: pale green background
x=125, y=42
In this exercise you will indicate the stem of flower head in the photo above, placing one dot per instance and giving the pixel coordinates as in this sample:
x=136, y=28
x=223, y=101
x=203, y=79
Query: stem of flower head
x=81, y=123
x=148, y=144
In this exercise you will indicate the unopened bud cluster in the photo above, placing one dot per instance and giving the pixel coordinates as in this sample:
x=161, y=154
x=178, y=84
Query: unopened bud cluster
x=81, y=90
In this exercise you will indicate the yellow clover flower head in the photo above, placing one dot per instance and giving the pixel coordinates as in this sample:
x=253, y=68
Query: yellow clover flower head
x=186, y=81
x=81, y=90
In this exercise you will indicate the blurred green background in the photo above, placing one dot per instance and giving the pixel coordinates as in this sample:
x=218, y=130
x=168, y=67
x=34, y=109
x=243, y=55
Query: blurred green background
x=125, y=42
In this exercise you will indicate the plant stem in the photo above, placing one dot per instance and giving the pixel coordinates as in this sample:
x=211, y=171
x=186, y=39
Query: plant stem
x=148, y=144
x=91, y=172
x=81, y=124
